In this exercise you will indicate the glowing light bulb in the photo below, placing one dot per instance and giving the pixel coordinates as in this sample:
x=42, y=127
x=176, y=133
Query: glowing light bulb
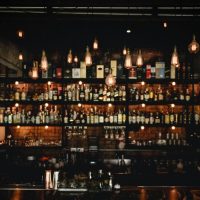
x=18, y=126
x=79, y=105
x=46, y=104
x=172, y=105
x=20, y=34
x=46, y=127
x=165, y=24
x=110, y=80
x=49, y=82
x=16, y=105
x=88, y=57
x=69, y=56
x=175, y=59
x=128, y=60
x=124, y=51
x=173, y=83
x=142, y=83
x=110, y=105
x=20, y=56
x=173, y=127
x=193, y=47
x=142, y=127
x=75, y=59
x=143, y=105
x=16, y=82
x=44, y=62
x=95, y=44
x=139, y=61
x=80, y=82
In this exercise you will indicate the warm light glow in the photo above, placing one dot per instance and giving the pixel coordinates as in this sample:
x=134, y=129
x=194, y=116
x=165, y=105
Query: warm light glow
x=124, y=51
x=88, y=57
x=95, y=44
x=79, y=105
x=69, y=56
x=16, y=82
x=139, y=61
x=175, y=59
x=143, y=105
x=142, y=83
x=21, y=56
x=173, y=128
x=75, y=59
x=49, y=82
x=172, y=105
x=128, y=60
x=110, y=80
x=142, y=127
x=80, y=82
x=46, y=104
x=128, y=31
x=46, y=127
x=110, y=105
x=16, y=105
x=193, y=47
x=18, y=126
x=173, y=83
x=44, y=62
x=165, y=24
x=35, y=70
x=20, y=34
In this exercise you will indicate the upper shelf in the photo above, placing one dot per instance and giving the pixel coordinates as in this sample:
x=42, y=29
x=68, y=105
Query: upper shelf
x=97, y=80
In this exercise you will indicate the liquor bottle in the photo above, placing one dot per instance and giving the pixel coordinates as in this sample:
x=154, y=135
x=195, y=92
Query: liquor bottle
x=23, y=94
x=119, y=117
x=153, y=72
x=148, y=71
x=197, y=116
x=59, y=71
x=167, y=117
x=187, y=95
x=171, y=117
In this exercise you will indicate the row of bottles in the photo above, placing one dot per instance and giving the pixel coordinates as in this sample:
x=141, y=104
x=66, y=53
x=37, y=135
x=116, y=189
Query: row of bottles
x=100, y=68
x=151, y=94
x=158, y=70
x=23, y=93
x=93, y=115
x=43, y=115
x=102, y=180
x=162, y=139
x=167, y=117
x=86, y=92
x=76, y=131
x=114, y=133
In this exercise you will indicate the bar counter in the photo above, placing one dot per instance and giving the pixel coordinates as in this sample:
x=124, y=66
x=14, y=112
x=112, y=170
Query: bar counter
x=140, y=193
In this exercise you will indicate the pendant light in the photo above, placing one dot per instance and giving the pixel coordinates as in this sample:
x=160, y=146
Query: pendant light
x=95, y=44
x=124, y=51
x=69, y=56
x=20, y=57
x=44, y=62
x=193, y=47
x=175, y=59
x=139, y=61
x=128, y=60
x=88, y=57
x=110, y=79
x=76, y=59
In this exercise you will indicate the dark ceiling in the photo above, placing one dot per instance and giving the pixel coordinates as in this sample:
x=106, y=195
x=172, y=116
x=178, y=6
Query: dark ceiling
x=63, y=24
